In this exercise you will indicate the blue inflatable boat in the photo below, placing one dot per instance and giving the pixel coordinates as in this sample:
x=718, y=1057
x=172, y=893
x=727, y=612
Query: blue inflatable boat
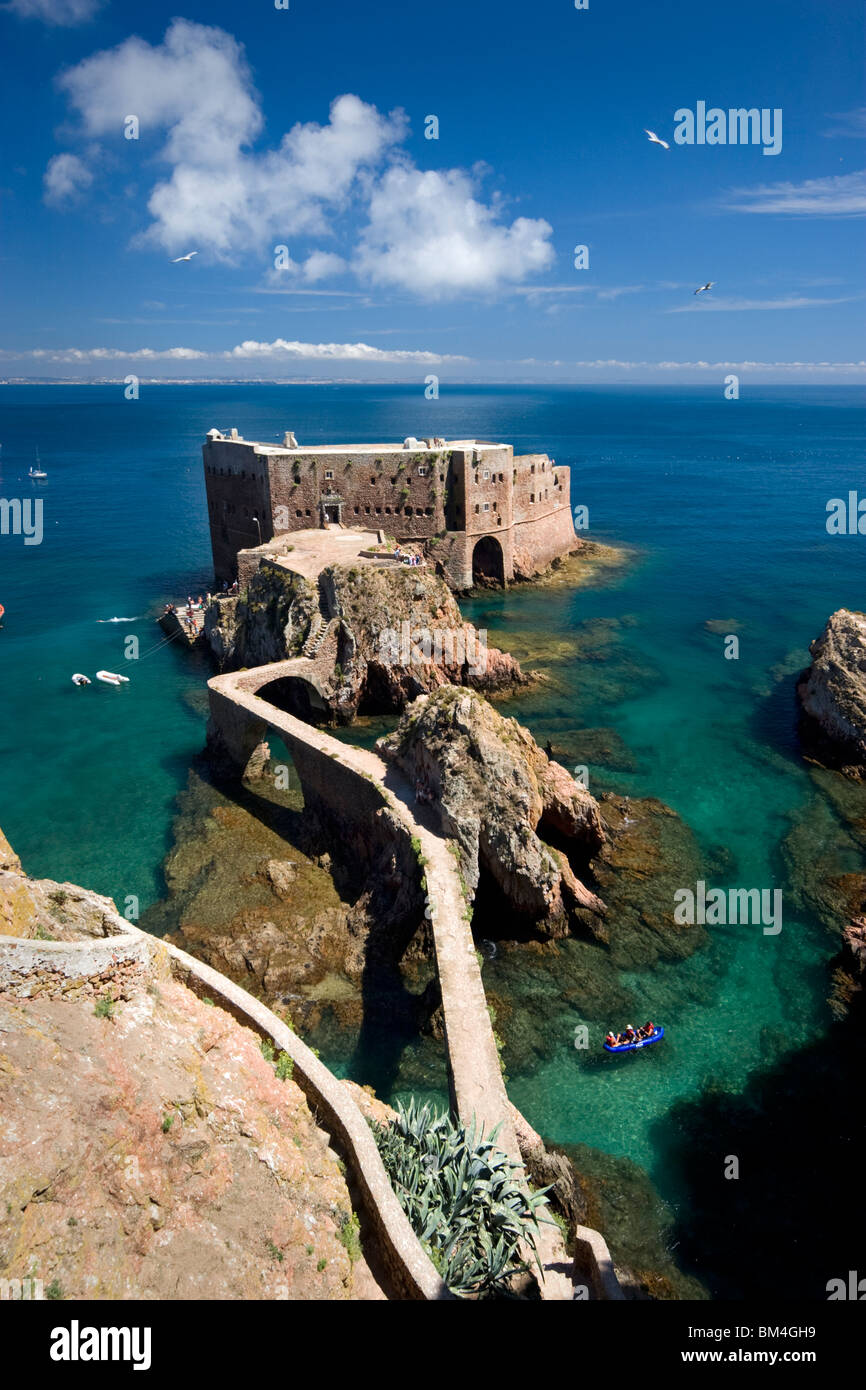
x=656, y=1036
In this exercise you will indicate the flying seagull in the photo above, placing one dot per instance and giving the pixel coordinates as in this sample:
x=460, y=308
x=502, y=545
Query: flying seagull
x=654, y=139
x=707, y=286
x=187, y=257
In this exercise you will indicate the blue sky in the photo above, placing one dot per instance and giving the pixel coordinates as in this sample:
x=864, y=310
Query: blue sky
x=408, y=256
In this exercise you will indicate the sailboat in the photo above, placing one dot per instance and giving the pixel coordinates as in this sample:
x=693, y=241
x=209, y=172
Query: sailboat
x=37, y=472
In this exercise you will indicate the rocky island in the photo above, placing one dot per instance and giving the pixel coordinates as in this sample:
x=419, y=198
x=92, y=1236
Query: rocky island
x=833, y=694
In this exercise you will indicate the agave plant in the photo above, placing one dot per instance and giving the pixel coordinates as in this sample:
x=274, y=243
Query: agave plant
x=466, y=1200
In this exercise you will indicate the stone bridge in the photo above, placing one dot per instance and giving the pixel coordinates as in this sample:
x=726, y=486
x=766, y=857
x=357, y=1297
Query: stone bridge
x=360, y=787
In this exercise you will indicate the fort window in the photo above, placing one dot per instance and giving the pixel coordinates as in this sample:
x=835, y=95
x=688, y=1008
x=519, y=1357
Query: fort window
x=532, y=496
x=367, y=510
x=477, y=507
x=372, y=482
x=357, y=510
x=378, y=510
x=441, y=477
x=532, y=469
x=329, y=475
x=487, y=506
x=422, y=472
x=428, y=511
x=486, y=474
x=298, y=512
x=307, y=512
x=387, y=511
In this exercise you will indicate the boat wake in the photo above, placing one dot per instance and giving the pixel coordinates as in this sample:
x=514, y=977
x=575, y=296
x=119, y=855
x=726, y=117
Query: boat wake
x=119, y=620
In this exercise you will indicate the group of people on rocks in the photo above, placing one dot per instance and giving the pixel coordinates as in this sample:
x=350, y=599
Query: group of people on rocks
x=192, y=616
x=631, y=1035
x=407, y=557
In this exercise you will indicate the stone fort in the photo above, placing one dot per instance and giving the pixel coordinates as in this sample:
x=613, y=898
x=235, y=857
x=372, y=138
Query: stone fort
x=482, y=513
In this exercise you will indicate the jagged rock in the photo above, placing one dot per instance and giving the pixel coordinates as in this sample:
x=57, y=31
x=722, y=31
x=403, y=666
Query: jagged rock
x=494, y=790
x=850, y=972
x=378, y=637
x=52, y=911
x=833, y=694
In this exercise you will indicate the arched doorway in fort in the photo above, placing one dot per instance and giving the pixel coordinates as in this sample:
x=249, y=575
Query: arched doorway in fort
x=488, y=562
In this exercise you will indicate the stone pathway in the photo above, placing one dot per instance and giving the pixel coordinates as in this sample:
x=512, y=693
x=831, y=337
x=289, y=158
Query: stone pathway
x=476, y=1074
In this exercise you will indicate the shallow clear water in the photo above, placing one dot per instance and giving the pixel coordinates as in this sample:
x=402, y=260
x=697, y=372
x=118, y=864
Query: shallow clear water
x=724, y=504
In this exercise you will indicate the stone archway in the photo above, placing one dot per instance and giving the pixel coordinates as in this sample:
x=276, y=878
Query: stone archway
x=296, y=696
x=488, y=563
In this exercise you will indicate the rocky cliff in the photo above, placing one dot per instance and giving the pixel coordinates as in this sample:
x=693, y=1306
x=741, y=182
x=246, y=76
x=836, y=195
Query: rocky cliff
x=517, y=816
x=379, y=636
x=148, y=1148
x=833, y=694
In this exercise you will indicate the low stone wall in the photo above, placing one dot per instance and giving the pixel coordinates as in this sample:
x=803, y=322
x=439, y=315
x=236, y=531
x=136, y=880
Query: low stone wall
x=121, y=963
x=410, y=1270
x=32, y=969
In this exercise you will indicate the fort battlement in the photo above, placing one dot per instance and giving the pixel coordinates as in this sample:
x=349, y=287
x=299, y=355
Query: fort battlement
x=494, y=516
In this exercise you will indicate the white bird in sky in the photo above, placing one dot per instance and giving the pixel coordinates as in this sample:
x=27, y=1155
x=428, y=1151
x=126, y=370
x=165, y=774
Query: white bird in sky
x=654, y=139
x=187, y=257
x=707, y=286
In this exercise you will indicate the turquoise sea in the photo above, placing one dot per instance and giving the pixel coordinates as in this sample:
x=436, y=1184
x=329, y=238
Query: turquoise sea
x=723, y=504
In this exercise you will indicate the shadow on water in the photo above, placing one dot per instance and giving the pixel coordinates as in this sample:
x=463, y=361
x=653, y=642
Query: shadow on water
x=793, y=1218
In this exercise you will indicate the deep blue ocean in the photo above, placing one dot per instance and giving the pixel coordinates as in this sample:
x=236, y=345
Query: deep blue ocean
x=724, y=504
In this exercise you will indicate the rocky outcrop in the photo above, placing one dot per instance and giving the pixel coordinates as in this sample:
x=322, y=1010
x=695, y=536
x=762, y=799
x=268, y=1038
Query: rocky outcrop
x=849, y=975
x=374, y=637
x=43, y=910
x=497, y=794
x=833, y=694
x=149, y=1150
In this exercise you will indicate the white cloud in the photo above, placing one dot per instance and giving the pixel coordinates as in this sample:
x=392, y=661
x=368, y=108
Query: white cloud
x=250, y=349
x=57, y=12
x=196, y=88
x=429, y=234
x=840, y=195
x=98, y=354
x=800, y=368
x=321, y=265
x=792, y=301
x=356, y=352
x=65, y=176
x=852, y=123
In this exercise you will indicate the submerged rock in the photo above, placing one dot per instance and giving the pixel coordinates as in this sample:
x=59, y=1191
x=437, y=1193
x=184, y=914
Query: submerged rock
x=496, y=792
x=833, y=694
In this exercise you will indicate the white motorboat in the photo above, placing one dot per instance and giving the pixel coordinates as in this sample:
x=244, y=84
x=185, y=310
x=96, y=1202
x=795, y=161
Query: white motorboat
x=112, y=678
x=78, y=679
x=38, y=472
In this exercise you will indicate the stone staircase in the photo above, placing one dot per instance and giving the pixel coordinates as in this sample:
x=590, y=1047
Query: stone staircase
x=318, y=633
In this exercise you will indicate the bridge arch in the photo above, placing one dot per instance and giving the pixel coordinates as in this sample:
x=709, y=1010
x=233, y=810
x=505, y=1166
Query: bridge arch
x=295, y=695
